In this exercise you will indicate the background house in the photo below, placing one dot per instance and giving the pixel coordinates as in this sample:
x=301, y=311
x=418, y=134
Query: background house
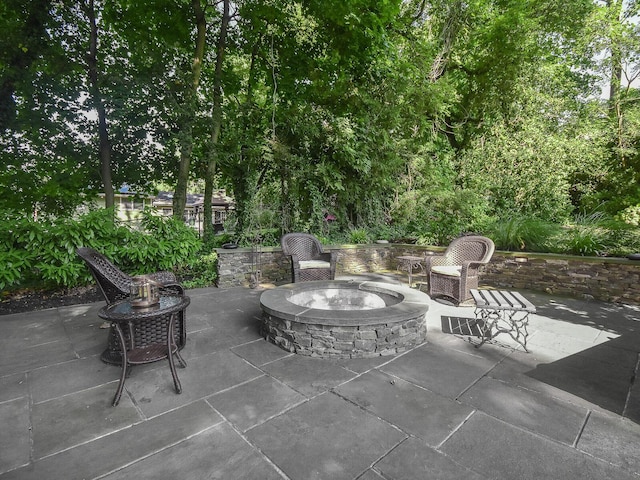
x=129, y=205
x=221, y=205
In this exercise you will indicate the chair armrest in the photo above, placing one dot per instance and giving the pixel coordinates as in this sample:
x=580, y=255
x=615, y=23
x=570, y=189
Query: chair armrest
x=162, y=277
x=295, y=259
x=435, y=260
x=327, y=256
x=172, y=288
x=471, y=266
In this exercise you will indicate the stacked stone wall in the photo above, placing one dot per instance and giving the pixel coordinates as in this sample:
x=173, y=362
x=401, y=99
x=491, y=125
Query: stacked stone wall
x=607, y=279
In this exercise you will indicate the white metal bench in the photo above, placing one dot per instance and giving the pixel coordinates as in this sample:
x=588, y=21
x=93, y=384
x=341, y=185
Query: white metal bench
x=500, y=311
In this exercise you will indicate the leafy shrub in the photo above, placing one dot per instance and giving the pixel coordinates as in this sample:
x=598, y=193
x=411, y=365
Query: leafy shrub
x=202, y=272
x=437, y=217
x=630, y=215
x=359, y=236
x=42, y=253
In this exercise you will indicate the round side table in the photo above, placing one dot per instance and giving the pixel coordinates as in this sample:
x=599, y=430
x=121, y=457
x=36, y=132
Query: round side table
x=139, y=346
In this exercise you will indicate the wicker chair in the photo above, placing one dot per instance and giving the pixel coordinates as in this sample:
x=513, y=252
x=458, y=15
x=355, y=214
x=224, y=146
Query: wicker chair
x=115, y=285
x=456, y=272
x=308, y=259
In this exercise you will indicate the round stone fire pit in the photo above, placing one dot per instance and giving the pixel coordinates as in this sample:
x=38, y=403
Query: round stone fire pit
x=344, y=318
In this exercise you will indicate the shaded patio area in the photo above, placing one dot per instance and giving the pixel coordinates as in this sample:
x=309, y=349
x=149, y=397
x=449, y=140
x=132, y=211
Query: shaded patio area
x=250, y=410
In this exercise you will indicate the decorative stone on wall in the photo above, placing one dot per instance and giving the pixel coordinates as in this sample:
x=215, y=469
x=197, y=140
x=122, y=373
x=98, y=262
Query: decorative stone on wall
x=607, y=279
x=344, y=342
x=337, y=319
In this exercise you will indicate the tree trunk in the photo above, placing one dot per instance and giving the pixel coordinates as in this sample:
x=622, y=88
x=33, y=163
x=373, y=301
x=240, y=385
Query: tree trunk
x=616, y=112
x=615, y=12
x=216, y=122
x=186, y=126
x=103, y=132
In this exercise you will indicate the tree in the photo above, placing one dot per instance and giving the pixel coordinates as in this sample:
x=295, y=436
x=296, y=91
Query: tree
x=93, y=72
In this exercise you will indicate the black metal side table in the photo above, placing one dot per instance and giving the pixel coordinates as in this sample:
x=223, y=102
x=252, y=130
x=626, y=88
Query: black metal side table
x=139, y=346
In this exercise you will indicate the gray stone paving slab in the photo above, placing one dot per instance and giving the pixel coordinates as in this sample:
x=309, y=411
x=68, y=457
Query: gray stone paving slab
x=632, y=408
x=215, y=453
x=309, y=376
x=371, y=475
x=241, y=363
x=614, y=439
x=13, y=386
x=415, y=410
x=564, y=344
x=589, y=378
x=327, y=437
x=76, y=418
x=561, y=421
x=123, y=447
x=15, y=441
x=613, y=353
x=154, y=393
x=254, y=402
x=260, y=352
x=514, y=369
x=63, y=378
x=412, y=460
x=83, y=327
x=204, y=342
x=445, y=371
x=43, y=326
x=361, y=365
x=501, y=451
x=18, y=358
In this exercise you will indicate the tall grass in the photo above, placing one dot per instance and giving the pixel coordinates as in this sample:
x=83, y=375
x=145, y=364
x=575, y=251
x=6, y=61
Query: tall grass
x=522, y=233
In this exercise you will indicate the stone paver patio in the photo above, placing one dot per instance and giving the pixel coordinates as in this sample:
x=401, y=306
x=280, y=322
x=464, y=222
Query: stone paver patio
x=249, y=410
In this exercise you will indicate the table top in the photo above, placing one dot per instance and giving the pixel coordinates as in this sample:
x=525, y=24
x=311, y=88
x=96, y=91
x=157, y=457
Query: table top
x=124, y=311
x=502, y=300
x=410, y=258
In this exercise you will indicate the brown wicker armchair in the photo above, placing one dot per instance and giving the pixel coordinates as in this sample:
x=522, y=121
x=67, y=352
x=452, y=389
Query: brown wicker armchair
x=308, y=259
x=455, y=272
x=115, y=285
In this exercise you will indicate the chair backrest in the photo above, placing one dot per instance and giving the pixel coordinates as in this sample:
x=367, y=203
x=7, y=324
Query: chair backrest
x=472, y=248
x=304, y=245
x=113, y=282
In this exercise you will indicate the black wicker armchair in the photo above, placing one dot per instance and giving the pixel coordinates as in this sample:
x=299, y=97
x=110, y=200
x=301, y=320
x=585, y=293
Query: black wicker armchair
x=455, y=272
x=308, y=259
x=115, y=285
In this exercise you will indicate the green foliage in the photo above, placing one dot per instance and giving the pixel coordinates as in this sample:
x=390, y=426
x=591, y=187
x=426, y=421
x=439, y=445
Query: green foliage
x=630, y=215
x=42, y=253
x=436, y=217
x=433, y=117
x=522, y=234
x=201, y=272
x=585, y=240
x=359, y=236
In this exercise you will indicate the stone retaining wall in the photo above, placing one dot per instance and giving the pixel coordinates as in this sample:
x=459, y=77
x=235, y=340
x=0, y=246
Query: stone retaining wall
x=607, y=279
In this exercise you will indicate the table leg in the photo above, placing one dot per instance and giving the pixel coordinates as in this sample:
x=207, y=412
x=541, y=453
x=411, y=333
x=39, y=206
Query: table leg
x=494, y=322
x=170, y=347
x=125, y=364
x=409, y=264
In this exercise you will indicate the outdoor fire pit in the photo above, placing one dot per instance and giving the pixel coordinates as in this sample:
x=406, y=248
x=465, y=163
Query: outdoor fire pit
x=344, y=319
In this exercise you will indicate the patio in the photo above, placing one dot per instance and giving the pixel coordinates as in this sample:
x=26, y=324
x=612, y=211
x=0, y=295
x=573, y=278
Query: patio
x=249, y=410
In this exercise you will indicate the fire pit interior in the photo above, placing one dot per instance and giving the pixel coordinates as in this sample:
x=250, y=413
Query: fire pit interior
x=344, y=319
